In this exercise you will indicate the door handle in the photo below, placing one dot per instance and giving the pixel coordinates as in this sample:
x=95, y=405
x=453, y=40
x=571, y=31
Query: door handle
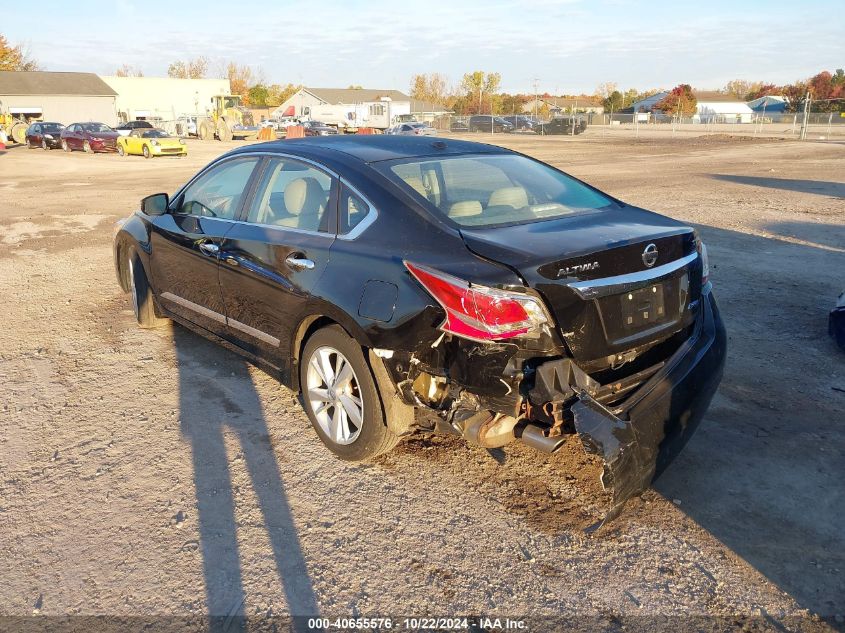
x=209, y=249
x=298, y=262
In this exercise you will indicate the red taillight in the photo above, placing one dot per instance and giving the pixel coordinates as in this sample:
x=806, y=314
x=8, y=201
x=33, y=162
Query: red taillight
x=478, y=312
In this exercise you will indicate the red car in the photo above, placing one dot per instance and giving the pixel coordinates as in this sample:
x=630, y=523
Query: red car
x=44, y=134
x=89, y=137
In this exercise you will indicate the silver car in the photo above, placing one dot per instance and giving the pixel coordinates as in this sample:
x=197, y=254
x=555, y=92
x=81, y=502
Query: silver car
x=412, y=128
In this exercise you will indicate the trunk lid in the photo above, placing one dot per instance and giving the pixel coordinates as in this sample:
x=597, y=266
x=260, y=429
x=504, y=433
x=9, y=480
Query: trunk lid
x=592, y=271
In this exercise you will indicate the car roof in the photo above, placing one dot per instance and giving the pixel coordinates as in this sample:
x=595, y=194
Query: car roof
x=372, y=148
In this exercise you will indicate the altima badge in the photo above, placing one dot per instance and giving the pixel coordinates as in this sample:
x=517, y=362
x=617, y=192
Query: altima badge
x=577, y=268
x=650, y=255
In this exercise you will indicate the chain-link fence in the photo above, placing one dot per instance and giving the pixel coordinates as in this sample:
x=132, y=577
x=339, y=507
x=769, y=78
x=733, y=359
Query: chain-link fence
x=819, y=125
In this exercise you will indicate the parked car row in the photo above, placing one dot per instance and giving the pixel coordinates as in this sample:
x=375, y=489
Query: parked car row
x=134, y=137
x=522, y=123
x=411, y=128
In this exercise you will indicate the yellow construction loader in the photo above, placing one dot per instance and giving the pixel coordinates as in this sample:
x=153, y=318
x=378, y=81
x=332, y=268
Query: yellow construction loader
x=13, y=127
x=226, y=119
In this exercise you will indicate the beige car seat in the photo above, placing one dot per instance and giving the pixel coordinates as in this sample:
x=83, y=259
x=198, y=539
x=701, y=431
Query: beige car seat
x=515, y=197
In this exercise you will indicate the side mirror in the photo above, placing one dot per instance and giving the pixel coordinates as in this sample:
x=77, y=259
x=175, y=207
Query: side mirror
x=155, y=204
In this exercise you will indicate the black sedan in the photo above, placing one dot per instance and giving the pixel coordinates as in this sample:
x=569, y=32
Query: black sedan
x=44, y=134
x=318, y=128
x=376, y=275
x=561, y=125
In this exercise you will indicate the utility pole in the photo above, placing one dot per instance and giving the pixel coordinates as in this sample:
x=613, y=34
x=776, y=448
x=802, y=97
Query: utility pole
x=805, y=119
x=536, y=80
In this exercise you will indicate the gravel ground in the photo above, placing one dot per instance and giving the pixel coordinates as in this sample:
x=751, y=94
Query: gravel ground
x=153, y=474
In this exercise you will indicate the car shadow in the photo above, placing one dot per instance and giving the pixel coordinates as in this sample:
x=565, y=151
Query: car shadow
x=763, y=474
x=217, y=398
x=818, y=187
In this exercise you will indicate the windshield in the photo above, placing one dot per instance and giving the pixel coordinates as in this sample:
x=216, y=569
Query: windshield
x=155, y=134
x=231, y=102
x=486, y=191
x=96, y=127
x=52, y=128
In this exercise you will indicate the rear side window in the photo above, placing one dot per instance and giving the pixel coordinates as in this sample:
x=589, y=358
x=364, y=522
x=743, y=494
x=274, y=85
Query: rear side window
x=353, y=209
x=218, y=192
x=486, y=191
x=292, y=195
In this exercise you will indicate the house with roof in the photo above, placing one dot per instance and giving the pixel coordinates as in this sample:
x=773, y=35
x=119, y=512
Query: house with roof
x=712, y=107
x=770, y=104
x=346, y=107
x=564, y=105
x=63, y=97
x=718, y=107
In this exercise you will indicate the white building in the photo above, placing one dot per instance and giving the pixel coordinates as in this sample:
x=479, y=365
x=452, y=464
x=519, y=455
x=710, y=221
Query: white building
x=163, y=98
x=717, y=107
x=351, y=107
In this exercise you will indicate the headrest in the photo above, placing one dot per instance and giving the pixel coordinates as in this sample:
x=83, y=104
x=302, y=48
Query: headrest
x=303, y=195
x=515, y=197
x=465, y=209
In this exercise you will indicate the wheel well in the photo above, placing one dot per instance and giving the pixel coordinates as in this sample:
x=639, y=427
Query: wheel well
x=122, y=268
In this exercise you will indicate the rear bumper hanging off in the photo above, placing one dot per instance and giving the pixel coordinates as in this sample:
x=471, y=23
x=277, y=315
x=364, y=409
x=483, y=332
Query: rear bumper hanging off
x=639, y=439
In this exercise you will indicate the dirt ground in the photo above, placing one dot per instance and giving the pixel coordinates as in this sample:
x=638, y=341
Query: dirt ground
x=151, y=473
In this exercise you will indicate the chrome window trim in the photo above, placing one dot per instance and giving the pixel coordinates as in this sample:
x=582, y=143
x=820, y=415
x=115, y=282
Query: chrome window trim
x=596, y=288
x=371, y=216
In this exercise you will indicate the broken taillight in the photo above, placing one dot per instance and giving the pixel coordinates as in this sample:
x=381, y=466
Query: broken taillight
x=481, y=313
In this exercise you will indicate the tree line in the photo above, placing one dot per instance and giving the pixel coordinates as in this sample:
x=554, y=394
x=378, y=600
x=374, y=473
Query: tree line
x=479, y=91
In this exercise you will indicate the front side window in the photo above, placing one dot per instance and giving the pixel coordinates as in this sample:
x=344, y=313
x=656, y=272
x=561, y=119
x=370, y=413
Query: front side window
x=486, y=191
x=218, y=192
x=293, y=195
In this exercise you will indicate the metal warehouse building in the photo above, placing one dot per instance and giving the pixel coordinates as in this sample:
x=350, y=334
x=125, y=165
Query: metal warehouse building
x=62, y=97
x=163, y=98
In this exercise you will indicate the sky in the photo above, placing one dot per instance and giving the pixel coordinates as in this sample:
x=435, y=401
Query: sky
x=566, y=46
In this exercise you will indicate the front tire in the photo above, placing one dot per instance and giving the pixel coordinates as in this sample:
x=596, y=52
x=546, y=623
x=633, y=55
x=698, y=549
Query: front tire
x=65, y=146
x=44, y=145
x=143, y=304
x=120, y=150
x=86, y=147
x=340, y=397
x=147, y=153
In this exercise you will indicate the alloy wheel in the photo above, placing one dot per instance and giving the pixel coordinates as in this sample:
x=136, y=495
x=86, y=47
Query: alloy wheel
x=334, y=394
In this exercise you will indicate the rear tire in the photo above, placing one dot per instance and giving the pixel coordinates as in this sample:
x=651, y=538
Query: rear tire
x=143, y=304
x=328, y=402
x=206, y=131
x=223, y=131
x=120, y=150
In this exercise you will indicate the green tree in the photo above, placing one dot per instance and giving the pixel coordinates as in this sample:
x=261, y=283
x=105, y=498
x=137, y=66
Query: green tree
x=613, y=102
x=679, y=102
x=15, y=57
x=258, y=95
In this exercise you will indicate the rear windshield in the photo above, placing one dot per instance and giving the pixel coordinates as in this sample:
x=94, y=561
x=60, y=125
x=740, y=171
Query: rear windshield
x=487, y=191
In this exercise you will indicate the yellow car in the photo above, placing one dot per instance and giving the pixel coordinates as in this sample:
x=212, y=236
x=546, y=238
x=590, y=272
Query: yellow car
x=151, y=142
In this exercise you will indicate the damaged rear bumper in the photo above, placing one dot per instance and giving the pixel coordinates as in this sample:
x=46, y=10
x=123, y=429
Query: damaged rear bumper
x=639, y=438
